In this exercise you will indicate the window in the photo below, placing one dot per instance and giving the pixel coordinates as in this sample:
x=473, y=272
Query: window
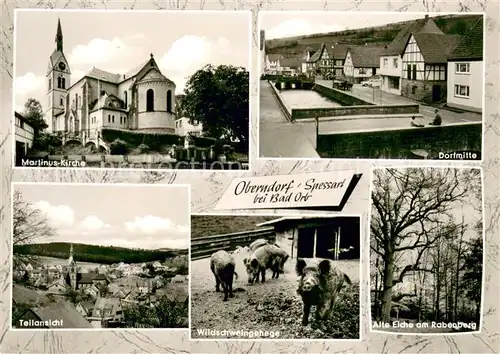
x=462, y=91
x=109, y=118
x=63, y=83
x=124, y=120
x=150, y=100
x=414, y=71
x=169, y=101
x=50, y=84
x=59, y=84
x=126, y=99
x=386, y=62
x=113, y=119
x=395, y=63
x=362, y=71
x=61, y=101
x=462, y=68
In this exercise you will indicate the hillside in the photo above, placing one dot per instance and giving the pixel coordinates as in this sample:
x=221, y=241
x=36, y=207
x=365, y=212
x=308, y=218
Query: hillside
x=98, y=254
x=204, y=225
x=380, y=35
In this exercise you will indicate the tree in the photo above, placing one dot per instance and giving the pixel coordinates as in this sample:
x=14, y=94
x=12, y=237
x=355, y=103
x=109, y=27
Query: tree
x=218, y=97
x=29, y=226
x=33, y=113
x=411, y=212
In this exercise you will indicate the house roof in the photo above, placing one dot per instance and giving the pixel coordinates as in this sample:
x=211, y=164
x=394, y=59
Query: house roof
x=64, y=311
x=24, y=295
x=435, y=48
x=108, y=303
x=289, y=62
x=21, y=117
x=398, y=44
x=339, y=51
x=471, y=45
x=365, y=57
x=87, y=305
x=317, y=55
x=279, y=220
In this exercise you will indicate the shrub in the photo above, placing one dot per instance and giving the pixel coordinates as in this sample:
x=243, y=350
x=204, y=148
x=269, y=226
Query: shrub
x=143, y=148
x=155, y=141
x=119, y=147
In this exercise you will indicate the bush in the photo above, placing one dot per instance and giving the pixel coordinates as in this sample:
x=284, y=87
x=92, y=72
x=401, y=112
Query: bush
x=118, y=147
x=203, y=142
x=143, y=148
x=46, y=142
x=154, y=141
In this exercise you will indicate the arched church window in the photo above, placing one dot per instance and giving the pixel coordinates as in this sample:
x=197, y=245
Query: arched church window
x=59, y=82
x=126, y=99
x=63, y=82
x=150, y=100
x=169, y=101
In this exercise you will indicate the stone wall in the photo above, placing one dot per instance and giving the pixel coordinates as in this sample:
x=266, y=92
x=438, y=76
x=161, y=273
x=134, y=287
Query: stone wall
x=423, y=90
x=342, y=97
x=303, y=113
x=399, y=143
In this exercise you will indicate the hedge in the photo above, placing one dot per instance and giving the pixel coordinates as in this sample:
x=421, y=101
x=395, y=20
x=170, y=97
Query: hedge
x=203, y=142
x=152, y=140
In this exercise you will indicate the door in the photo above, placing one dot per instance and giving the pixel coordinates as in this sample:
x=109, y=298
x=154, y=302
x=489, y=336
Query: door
x=20, y=152
x=325, y=242
x=436, y=93
x=305, y=243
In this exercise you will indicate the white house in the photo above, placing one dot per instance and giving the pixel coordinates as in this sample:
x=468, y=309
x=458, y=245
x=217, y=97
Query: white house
x=184, y=127
x=362, y=62
x=391, y=61
x=425, y=64
x=465, y=71
x=24, y=135
x=290, y=66
x=272, y=66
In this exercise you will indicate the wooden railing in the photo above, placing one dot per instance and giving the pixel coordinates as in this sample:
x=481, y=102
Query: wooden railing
x=203, y=247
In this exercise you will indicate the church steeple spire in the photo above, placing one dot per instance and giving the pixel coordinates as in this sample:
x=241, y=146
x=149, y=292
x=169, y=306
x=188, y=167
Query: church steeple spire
x=59, y=36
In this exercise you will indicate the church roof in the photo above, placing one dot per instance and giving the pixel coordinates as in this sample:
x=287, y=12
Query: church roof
x=99, y=74
x=109, y=101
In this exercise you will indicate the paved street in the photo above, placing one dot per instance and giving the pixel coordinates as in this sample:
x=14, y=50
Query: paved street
x=367, y=94
x=279, y=137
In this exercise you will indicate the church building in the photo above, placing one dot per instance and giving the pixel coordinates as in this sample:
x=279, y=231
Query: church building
x=141, y=100
x=78, y=280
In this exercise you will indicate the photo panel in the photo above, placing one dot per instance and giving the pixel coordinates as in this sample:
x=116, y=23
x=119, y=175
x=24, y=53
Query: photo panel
x=132, y=89
x=371, y=85
x=100, y=256
x=275, y=278
x=426, y=250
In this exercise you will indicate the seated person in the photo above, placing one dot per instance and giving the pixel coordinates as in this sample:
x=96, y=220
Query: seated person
x=437, y=118
x=417, y=122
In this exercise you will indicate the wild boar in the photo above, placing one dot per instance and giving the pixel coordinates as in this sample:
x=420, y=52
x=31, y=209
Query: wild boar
x=283, y=256
x=257, y=243
x=222, y=265
x=276, y=266
x=319, y=286
x=260, y=260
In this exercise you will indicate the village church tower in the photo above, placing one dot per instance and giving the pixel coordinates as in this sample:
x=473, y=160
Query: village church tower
x=58, y=81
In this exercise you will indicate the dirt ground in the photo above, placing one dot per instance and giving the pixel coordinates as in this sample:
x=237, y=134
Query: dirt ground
x=273, y=306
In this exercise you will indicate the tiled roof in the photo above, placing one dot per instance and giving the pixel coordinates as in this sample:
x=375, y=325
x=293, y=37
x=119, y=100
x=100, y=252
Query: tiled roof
x=111, y=303
x=62, y=310
x=339, y=51
x=366, y=57
x=112, y=102
x=398, y=44
x=289, y=62
x=436, y=47
x=471, y=45
x=317, y=55
x=23, y=295
x=99, y=74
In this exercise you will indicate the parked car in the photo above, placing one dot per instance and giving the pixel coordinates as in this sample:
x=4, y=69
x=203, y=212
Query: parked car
x=372, y=82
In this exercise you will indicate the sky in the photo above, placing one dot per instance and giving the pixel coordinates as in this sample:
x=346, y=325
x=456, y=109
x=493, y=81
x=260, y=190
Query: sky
x=146, y=217
x=289, y=24
x=182, y=43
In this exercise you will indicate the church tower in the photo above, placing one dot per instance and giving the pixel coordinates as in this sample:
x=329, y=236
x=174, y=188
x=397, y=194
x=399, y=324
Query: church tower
x=58, y=82
x=72, y=268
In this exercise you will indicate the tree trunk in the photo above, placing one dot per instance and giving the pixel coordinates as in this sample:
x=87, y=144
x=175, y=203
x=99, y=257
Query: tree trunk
x=438, y=286
x=457, y=271
x=388, y=284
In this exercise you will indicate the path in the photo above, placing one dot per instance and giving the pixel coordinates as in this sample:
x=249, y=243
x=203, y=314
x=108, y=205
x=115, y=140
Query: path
x=277, y=136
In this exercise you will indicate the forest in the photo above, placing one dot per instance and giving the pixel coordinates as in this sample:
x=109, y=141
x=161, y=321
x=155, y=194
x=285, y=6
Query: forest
x=426, y=245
